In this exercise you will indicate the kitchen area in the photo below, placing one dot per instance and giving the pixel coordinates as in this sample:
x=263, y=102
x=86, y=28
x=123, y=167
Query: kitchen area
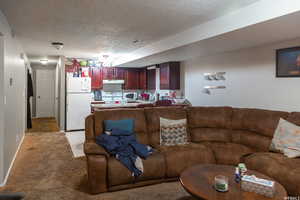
x=91, y=87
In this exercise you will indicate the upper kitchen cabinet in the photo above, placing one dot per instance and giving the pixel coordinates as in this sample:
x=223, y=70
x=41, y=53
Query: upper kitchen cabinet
x=151, y=79
x=131, y=79
x=143, y=79
x=113, y=73
x=108, y=73
x=119, y=73
x=170, y=76
x=96, y=78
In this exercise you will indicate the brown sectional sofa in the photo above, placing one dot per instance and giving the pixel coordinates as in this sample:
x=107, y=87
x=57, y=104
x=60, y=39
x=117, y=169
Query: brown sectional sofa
x=219, y=135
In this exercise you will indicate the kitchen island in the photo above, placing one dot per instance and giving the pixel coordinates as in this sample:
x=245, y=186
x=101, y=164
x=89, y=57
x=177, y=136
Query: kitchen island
x=134, y=104
x=99, y=105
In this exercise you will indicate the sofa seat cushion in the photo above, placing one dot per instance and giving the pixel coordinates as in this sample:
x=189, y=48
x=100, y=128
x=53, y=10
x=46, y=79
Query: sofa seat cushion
x=228, y=153
x=154, y=168
x=180, y=157
x=284, y=170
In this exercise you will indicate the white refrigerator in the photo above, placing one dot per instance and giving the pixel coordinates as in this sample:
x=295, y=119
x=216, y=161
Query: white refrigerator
x=79, y=97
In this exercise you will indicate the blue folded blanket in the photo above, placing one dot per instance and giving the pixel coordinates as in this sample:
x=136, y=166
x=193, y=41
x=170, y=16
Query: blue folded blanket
x=123, y=145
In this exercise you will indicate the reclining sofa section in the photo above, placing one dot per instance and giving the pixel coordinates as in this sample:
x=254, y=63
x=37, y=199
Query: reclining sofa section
x=218, y=135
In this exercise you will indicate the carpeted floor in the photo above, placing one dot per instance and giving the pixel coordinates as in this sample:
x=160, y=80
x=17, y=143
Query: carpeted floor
x=46, y=170
x=47, y=124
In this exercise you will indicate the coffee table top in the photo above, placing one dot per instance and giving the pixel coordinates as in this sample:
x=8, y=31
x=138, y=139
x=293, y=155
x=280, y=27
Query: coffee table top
x=199, y=182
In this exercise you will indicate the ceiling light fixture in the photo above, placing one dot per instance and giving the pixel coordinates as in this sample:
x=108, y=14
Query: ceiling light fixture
x=44, y=62
x=58, y=45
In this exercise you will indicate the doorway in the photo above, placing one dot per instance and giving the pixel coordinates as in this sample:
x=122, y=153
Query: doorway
x=45, y=92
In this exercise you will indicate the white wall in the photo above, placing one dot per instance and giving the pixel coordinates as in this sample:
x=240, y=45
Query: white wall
x=251, y=80
x=13, y=71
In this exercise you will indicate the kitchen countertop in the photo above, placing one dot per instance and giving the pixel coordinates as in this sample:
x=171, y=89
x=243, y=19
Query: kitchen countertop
x=119, y=105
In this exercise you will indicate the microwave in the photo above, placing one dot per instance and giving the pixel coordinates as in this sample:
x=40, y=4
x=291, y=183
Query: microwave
x=131, y=96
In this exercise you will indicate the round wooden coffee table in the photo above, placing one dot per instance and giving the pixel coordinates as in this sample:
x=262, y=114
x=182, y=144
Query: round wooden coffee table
x=199, y=181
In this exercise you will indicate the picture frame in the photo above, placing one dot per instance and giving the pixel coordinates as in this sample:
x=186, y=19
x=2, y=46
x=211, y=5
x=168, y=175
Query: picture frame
x=288, y=62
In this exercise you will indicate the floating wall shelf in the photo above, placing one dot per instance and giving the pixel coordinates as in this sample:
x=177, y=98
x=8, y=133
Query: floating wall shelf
x=217, y=76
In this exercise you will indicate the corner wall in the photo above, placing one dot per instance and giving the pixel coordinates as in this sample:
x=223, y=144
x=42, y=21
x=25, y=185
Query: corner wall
x=1, y=108
x=250, y=80
x=13, y=108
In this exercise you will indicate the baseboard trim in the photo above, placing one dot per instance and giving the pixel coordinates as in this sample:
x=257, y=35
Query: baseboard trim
x=12, y=162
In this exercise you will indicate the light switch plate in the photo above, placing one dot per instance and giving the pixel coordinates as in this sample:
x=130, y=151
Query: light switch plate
x=10, y=81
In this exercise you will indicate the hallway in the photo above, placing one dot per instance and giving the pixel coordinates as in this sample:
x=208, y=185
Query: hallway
x=44, y=125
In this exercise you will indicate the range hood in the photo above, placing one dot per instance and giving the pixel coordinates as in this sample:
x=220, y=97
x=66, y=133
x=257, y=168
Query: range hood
x=113, y=85
x=113, y=82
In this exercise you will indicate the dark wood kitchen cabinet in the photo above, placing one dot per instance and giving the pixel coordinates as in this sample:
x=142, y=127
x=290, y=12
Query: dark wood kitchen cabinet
x=113, y=73
x=119, y=73
x=96, y=78
x=170, y=76
x=131, y=79
x=151, y=79
x=108, y=73
x=143, y=79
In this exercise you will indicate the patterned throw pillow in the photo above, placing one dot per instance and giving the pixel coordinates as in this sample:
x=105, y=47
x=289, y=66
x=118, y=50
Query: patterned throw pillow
x=286, y=139
x=173, y=132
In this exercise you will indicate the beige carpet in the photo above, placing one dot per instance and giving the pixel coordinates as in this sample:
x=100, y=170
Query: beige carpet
x=47, y=124
x=46, y=170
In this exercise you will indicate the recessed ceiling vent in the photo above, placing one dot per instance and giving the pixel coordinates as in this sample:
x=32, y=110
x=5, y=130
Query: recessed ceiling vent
x=58, y=45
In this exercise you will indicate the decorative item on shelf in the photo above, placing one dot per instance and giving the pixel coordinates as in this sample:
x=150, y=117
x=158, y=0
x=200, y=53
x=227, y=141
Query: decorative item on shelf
x=83, y=63
x=217, y=76
x=206, y=89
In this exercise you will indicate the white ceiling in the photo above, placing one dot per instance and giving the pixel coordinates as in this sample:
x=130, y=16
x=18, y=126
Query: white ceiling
x=89, y=28
x=268, y=32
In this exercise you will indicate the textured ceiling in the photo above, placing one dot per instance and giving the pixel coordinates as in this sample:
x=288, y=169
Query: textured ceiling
x=93, y=27
x=258, y=35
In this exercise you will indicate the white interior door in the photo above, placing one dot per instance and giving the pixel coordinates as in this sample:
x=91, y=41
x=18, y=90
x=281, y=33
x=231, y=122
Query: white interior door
x=45, y=92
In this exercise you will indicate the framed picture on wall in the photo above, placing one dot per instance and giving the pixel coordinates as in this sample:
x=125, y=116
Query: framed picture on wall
x=288, y=62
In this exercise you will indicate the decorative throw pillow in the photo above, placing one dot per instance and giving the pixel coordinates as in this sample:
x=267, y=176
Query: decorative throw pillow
x=286, y=139
x=173, y=132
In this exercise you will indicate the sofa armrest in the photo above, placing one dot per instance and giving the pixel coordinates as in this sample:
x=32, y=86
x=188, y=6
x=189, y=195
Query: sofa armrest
x=92, y=148
x=97, y=173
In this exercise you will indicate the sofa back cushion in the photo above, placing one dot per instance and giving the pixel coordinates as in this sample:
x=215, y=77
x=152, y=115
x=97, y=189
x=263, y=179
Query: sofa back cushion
x=138, y=115
x=294, y=118
x=251, y=139
x=262, y=122
x=153, y=116
x=210, y=124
